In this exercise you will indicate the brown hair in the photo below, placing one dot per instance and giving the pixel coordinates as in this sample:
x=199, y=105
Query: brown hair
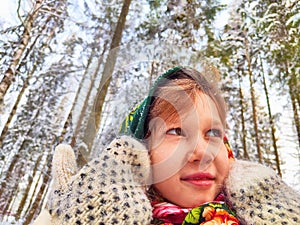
x=178, y=93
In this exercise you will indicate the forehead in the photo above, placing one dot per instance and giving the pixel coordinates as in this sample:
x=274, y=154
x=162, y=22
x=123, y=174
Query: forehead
x=204, y=108
x=189, y=109
x=204, y=103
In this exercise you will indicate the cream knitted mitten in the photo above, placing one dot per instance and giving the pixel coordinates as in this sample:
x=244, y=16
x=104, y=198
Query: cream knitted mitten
x=259, y=196
x=108, y=190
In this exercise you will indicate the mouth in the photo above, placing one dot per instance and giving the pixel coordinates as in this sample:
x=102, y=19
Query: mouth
x=199, y=179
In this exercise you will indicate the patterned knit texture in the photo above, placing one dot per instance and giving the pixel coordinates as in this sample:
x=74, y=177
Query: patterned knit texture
x=108, y=190
x=260, y=197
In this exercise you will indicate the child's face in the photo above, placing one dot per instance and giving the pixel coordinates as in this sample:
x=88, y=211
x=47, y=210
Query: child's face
x=189, y=158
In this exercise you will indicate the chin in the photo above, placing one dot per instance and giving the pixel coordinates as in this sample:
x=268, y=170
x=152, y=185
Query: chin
x=198, y=203
x=203, y=201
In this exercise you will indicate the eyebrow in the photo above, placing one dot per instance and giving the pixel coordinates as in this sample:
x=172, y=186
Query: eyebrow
x=213, y=122
x=217, y=122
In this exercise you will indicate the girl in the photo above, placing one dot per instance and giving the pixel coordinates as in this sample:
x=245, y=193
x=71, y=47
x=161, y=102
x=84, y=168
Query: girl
x=194, y=178
x=183, y=123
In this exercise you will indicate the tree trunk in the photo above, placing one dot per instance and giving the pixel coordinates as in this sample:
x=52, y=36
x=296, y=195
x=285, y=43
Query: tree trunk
x=295, y=110
x=10, y=73
x=75, y=101
x=26, y=82
x=271, y=121
x=110, y=63
x=244, y=133
x=292, y=84
x=15, y=170
x=252, y=92
x=37, y=203
x=88, y=127
x=67, y=122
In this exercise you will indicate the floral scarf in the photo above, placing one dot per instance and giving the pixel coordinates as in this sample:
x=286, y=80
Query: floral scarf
x=212, y=213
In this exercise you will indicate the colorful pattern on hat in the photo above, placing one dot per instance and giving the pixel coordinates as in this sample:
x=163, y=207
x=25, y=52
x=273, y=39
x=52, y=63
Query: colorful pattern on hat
x=134, y=124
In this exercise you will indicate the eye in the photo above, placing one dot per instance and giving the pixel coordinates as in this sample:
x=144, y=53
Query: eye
x=175, y=131
x=215, y=133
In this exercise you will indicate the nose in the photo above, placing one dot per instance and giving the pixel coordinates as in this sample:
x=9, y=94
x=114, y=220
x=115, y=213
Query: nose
x=202, y=152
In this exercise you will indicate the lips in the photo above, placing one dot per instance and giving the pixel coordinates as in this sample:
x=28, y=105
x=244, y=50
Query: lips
x=199, y=179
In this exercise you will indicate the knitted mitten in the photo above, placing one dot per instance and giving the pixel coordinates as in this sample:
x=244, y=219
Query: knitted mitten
x=259, y=196
x=63, y=168
x=107, y=190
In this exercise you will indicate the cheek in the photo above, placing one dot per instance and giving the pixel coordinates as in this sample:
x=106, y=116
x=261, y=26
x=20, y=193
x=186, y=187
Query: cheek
x=164, y=187
x=165, y=163
x=157, y=155
x=162, y=152
x=222, y=163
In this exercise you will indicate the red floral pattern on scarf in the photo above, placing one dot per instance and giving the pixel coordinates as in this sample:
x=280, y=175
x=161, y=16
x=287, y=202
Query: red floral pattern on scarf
x=213, y=213
x=169, y=213
x=214, y=216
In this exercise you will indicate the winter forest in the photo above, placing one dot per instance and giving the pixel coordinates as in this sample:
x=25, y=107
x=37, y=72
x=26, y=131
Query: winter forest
x=70, y=70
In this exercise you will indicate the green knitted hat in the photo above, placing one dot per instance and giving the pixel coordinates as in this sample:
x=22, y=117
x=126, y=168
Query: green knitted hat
x=134, y=124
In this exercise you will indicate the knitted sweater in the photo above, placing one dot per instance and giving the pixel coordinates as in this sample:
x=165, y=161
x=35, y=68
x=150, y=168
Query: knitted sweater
x=110, y=190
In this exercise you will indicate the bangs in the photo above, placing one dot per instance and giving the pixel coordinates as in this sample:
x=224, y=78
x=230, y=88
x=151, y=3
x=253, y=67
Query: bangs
x=176, y=97
x=174, y=100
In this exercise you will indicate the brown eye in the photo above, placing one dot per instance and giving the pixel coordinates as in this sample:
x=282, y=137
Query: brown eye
x=175, y=131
